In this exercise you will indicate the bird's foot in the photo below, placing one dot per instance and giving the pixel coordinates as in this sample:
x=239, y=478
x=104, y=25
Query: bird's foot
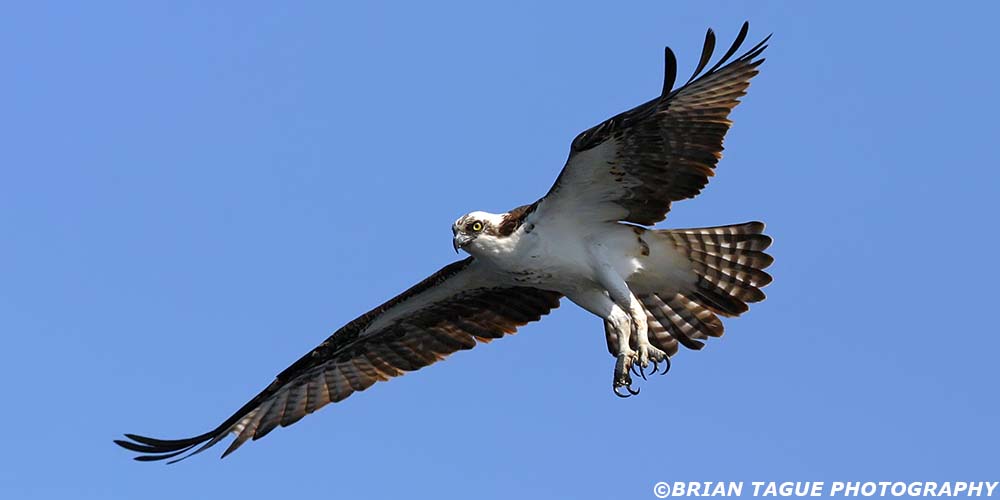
x=637, y=362
x=624, y=364
x=650, y=354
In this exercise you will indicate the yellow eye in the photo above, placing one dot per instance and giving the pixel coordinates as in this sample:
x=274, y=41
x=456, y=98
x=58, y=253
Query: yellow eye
x=477, y=226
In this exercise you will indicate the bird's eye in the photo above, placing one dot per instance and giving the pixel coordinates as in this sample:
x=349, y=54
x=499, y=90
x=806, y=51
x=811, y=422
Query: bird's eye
x=477, y=226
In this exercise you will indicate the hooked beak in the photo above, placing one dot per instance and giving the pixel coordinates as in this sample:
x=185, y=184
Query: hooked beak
x=460, y=240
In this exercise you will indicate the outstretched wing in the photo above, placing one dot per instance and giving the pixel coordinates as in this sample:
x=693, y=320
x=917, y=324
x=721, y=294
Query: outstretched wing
x=632, y=166
x=451, y=310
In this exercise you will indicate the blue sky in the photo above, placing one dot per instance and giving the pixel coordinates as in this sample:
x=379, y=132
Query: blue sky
x=194, y=195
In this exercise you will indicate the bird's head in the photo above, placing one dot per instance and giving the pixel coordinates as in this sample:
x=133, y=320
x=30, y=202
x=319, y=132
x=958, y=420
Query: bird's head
x=476, y=231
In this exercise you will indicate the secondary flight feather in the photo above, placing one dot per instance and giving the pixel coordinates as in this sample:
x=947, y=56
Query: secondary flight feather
x=587, y=240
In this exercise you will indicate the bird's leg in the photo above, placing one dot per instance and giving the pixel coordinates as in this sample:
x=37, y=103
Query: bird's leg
x=611, y=301
x=622, y=325
x=627, y=317
x=645, y=351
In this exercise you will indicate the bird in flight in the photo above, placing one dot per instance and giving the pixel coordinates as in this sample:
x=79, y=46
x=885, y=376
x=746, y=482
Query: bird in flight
x=589, y=239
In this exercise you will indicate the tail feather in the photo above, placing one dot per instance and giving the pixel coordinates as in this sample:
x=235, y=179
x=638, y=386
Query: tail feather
x=729, y=263
x=669, y=332
x=684, y=320
x=705, y=323
x=749, y=273
x=746, y=236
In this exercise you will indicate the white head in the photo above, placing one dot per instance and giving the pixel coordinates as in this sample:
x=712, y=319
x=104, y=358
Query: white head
x=477, y=232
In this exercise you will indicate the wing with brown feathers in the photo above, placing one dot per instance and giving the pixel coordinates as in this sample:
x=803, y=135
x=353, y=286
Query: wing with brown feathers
x=452, y=310
x=632, y=166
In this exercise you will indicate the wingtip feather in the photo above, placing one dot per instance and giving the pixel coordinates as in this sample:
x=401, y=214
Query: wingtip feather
x=669, y=71
x=706, y=54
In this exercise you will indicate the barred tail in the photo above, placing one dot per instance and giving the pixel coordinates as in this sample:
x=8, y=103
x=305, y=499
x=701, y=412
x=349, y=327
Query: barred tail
x=729, y=262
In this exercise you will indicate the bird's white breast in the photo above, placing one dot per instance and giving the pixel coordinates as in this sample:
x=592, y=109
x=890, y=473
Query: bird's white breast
x=561, y=255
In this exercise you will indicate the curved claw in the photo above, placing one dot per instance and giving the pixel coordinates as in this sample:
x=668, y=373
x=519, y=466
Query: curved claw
x=630, y=391
x=656, y=366
x=633, y=370
x=623, y=396
x=642, y=372
x=667, y=367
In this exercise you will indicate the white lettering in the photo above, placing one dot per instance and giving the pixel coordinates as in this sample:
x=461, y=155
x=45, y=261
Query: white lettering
x=817, y=489
x=771, y=490
x=694, y=489
x=990, y=487
x=852, y=488
x=735, y=489
x=930, y=489
x=678, y=489
x=837, y=487
x=945, y=490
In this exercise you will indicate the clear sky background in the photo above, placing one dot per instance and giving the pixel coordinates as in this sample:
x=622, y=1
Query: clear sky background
x=192, y=196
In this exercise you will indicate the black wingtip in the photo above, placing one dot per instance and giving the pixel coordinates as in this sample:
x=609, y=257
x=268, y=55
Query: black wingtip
x=706, y=54
x=756, y=50
x=669, y=70
x=136, y=447
x=162, y=449
x=230, y=449
x=740, y=38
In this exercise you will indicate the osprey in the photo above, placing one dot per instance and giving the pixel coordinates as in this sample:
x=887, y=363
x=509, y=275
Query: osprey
x=588, y=239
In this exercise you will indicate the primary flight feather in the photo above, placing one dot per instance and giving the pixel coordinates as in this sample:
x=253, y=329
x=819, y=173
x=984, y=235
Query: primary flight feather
x=585, y=240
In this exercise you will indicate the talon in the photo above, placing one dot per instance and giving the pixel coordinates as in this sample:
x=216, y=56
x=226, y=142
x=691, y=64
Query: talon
x=667, y=367
x=642, y=372
x=656, y=367
x=633, y=370
x=623, y=366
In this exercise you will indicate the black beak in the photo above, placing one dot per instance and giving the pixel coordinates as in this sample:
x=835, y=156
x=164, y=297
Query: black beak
x=460, y=240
